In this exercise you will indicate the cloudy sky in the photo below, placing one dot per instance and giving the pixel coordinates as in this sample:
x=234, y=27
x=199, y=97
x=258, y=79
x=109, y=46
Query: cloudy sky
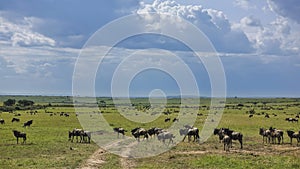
x=257, y=41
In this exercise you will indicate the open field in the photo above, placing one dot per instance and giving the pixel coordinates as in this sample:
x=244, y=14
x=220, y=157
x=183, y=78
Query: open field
x=47, y=143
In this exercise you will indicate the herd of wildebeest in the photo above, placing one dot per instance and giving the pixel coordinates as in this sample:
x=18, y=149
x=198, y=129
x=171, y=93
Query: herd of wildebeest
x=269, y=135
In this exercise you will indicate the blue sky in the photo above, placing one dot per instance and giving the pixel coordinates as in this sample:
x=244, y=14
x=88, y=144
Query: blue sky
x=258, y=43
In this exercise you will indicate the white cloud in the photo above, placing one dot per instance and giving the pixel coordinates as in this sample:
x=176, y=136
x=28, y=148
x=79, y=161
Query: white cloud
x=213, y=23
x=251, y=21
x=21, y=34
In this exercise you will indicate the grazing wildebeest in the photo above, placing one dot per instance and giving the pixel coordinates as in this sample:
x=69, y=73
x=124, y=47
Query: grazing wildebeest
x=251, y=115
x=164, y=135
x=275, y=133
x=66, y=115
x=267, y=116
x=293, y=134
x=15, y=120
x=297, y=116
x=190, y=132
x=86, y=136
x=18, y=135
x=265, y=133
x=119, y=130
x=2, y=121
x=77, y=133
x=167, y=119
x=291, y=119
x=175, y=119
x=28, y=123
x=154, y=131
x=137, y=132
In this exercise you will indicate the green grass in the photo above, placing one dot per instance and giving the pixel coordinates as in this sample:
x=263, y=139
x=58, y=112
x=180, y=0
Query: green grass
x=47, y=145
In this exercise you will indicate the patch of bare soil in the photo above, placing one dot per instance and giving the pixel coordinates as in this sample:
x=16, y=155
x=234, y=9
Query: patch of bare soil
x=127, y=163
x=96, y=160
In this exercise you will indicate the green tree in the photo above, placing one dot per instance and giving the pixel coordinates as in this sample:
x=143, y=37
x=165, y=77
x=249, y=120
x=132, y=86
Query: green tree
x=9, y=102
x=25, y=103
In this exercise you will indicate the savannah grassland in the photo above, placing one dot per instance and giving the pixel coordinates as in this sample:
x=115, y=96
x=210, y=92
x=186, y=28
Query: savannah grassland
x=47, y=143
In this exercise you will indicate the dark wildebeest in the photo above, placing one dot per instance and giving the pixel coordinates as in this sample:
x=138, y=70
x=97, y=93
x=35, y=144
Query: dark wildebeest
x=18, y=135
x=86, y=136
x=235, y=136
x=297, y=116
x=232, y=134
x=227, y=141
x=164, y=135
x=119, y=130
x=175, y=119
x=291, y=119
x=265, y=133
x=267, y=116
x=15, y=120
x=154, y=131
x=190, y=132
x=137, y=132
x=251, y=115
x=2, y=121
x=275, y=133
x=220, y=133
x=28, y=123
x=293, y=134
x=77, y=133
x=167, y=119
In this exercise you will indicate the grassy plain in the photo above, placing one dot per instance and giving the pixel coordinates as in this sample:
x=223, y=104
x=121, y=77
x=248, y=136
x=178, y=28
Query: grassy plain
x=47, y=145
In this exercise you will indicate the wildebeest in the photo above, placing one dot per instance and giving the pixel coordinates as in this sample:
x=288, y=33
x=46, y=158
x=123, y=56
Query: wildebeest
x=193, y=131
x=119, y=130
x=18, y=135
x=222, y=132
x=167, y=119
x=86, y=136
x=275, y=133
x=165, y=135
x=175, y=119
x=293, y=134
x=15, y=120
x=227, y=142
x=77, y=133
x=267, y=116
x=291, y=120
x=2, y=121
x=265, y=133
x=251, y=115
x=154, y=131
x=137, y=132
x=28, y=123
